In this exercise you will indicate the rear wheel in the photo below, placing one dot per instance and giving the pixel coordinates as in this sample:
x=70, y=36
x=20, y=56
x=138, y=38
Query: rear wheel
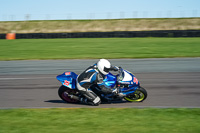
x=64, y=93
x=138, y=96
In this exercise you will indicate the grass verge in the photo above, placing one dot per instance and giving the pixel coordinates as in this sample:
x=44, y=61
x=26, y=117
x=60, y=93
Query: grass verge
x=108, y=120
x=33, y=49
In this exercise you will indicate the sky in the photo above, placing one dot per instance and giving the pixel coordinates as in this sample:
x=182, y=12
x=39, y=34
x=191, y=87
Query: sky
x=19, y=10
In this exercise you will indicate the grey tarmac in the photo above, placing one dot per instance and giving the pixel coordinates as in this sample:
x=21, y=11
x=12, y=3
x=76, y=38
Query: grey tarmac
x=170, y=82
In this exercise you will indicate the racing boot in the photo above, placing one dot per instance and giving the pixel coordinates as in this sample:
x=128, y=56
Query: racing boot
x=90, y=98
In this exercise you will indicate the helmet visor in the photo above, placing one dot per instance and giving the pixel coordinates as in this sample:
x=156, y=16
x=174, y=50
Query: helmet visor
x=106, y=69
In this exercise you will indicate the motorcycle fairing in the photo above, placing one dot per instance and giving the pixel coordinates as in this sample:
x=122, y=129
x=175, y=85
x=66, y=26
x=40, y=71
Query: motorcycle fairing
x=68, y=79
x=128, y=78
x=128, y=90
x=110, y=80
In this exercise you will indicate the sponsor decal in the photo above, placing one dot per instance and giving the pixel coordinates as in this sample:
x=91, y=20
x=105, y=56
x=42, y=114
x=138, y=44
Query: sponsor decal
x=66, y=83
x=67, y=73
x=135, y=80
x=124, y=82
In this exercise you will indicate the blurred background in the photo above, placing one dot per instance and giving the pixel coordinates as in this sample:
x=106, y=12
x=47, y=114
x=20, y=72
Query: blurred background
x=64, y=16
x=24, y=10
x=180, y=13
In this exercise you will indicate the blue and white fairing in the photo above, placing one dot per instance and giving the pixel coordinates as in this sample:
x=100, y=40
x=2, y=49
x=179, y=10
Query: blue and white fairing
x=128, y=78
x=68, y=79
x=129, y=82
x=110, y=80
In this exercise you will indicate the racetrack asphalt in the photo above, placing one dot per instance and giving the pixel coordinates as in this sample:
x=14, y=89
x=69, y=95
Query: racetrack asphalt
x=170, y=82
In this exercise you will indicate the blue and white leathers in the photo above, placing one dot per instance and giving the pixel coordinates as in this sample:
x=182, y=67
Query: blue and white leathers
x=89, y=77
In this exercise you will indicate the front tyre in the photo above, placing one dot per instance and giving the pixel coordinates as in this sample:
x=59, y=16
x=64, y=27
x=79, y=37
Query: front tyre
x=64, y=93
x=138, y=96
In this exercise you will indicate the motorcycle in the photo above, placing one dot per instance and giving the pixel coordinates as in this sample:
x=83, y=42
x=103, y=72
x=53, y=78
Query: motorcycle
x=127, y=87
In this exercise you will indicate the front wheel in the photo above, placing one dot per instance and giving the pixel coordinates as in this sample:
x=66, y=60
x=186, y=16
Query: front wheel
x=64, y=93
x=138, y=96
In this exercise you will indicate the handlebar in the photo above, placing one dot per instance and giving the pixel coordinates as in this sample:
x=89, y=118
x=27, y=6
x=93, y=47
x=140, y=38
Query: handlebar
x=114, y=68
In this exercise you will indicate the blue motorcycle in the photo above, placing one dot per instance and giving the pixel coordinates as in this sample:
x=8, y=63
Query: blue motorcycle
x=125, y=83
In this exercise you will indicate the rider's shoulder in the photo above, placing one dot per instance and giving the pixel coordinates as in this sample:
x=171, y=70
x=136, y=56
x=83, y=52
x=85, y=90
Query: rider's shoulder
x=99, y=77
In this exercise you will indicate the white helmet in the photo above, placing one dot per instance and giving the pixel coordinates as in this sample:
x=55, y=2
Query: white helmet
x=103, y=65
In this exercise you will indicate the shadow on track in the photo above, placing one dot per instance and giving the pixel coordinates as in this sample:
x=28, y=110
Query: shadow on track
x=61, y=101
x=55, y=101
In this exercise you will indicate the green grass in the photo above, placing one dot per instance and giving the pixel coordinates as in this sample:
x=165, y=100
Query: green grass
x=109, y=120
x=33, y=49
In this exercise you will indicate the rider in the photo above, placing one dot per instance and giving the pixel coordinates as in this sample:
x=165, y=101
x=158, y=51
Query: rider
x=94, y=75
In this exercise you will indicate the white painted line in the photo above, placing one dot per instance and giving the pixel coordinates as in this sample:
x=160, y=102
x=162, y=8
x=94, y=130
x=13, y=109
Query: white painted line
x=27, y=78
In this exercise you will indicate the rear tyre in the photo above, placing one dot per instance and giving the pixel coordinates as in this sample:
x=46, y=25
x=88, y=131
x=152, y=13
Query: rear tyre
x=138, y=96
x=64, y=93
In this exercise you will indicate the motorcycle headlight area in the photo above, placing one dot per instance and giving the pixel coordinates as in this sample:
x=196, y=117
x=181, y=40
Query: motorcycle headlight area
x=121, y=76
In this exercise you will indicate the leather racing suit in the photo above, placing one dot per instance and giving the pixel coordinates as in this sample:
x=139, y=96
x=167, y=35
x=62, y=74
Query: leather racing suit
x=87, y=78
